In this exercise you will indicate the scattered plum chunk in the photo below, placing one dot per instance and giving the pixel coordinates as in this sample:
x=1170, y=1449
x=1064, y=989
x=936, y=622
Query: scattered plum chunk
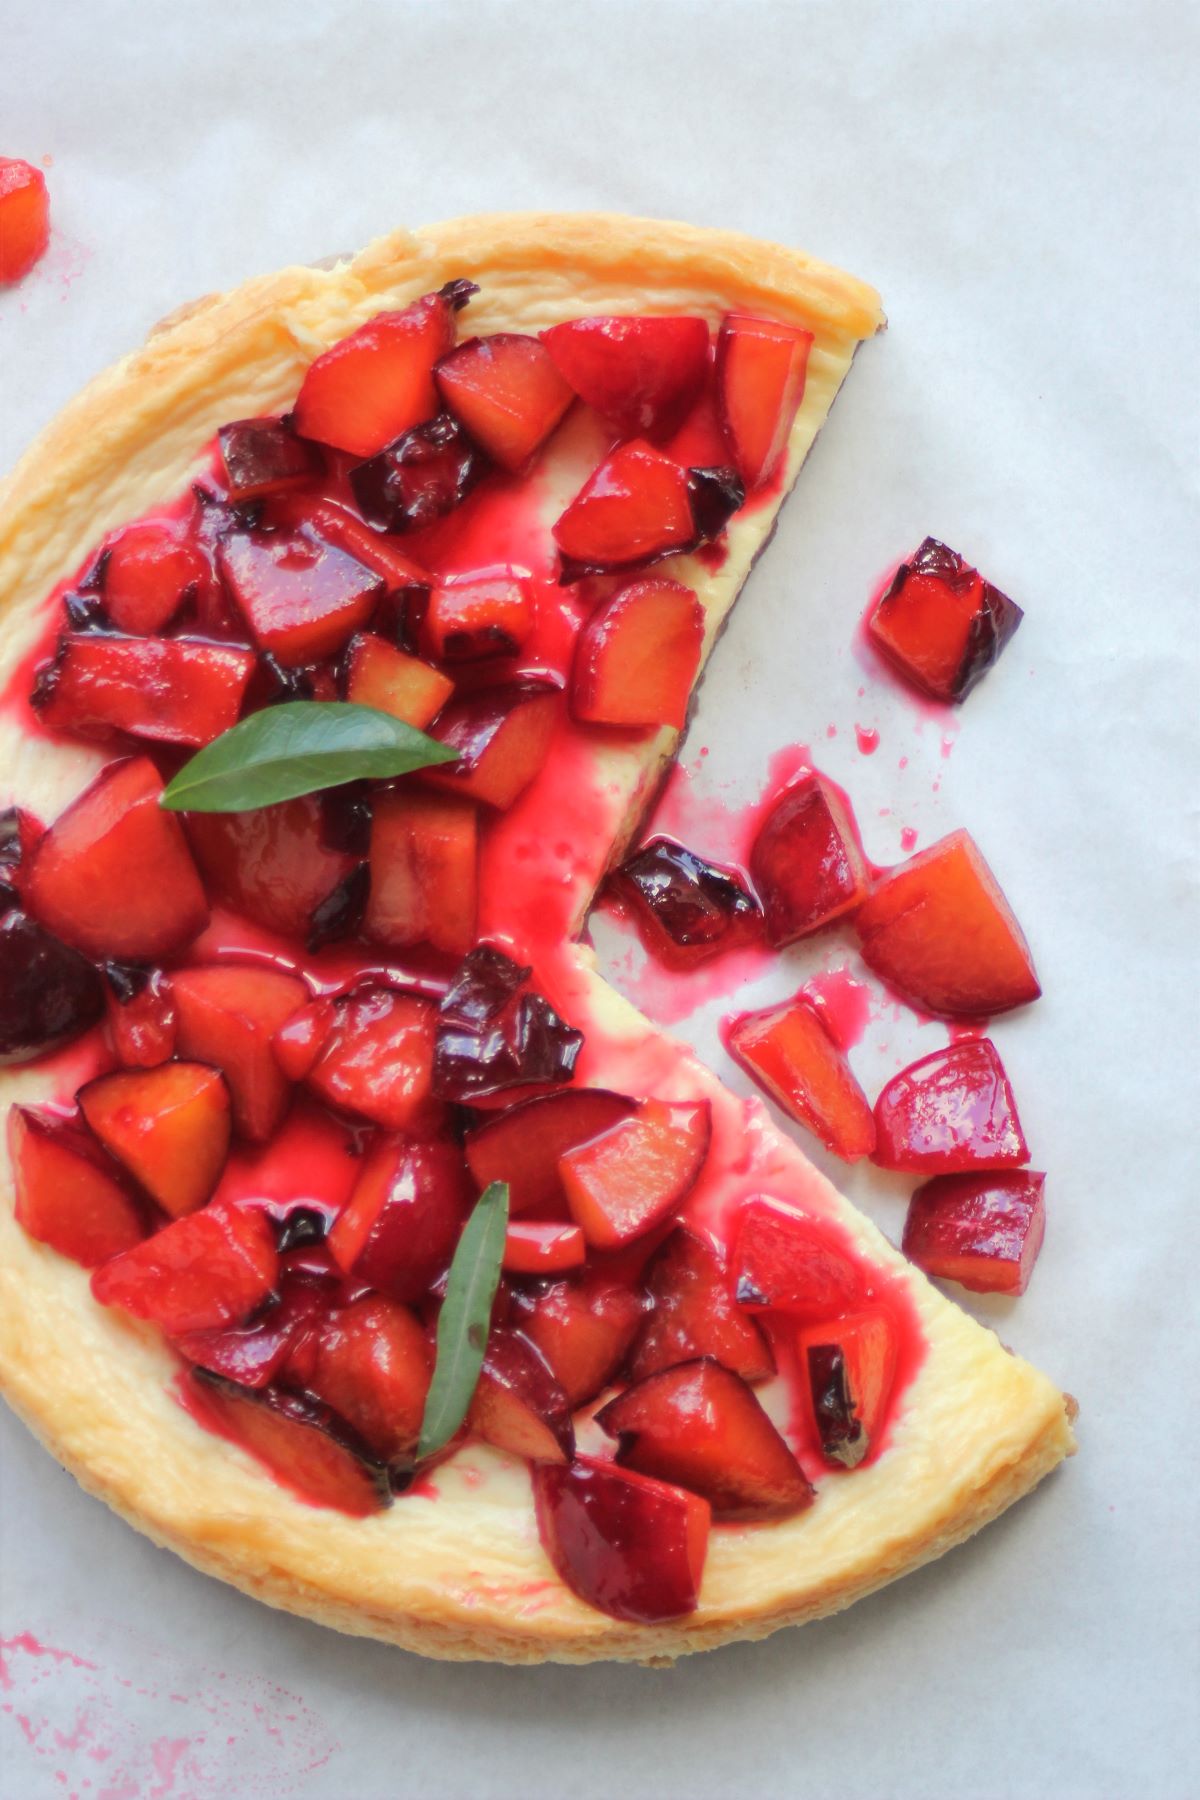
x=783, y=1259
x=695, y=1314
x=506, y=393
x=378, y=382
x=760, y=372
x=698, y=1425
x=371, y=1362
x=170, y=690
x=254, y=1353
x=228, y=1014
x=66, y=1196
x=377, y=1060
x=379, y=675
x=638, y=1172
x=113, y=875
x=518, y=1405
x=477, y=616
x=264, y=456
x=148, y=571
x=398, y=1230
x=424, y=871
x=302, y=598
x=303, y=1444
x=501, y=737
x=849, y=1365
x=169, y=1126
x=583, y=1327
x=940, y=931
x=420, y=478
x=790, y=1054
x=24, y=218
x=983, y=1230
x=272, y=863
x=496, y=1035
x=639, y=373
x=940, y=624
x=626, y=1544
x=638, y=506
x=48, y=992
x=806, y=861
x=211, y=1268
x=637, y=656
x=523, y=1145
x=951, y=1111
x=689, y=909
x=543, y=1247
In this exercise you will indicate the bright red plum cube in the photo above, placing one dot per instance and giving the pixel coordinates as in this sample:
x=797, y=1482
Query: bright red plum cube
x=149, y=570
x=399, y=1228
x=169, y=1126
x=790, y=1054
x=983, y=1230
x=518, y=1405
x=695, y=1314
x=507, y=394
x=66, y=1196
x=787, y=1261
x=272, y=863
x=940, y=624
x=302, y=599
x=24, y=218
x=371, y=1362
x=501, y=737
x=228, y=1014
x=806, y=862
x=543, y=1247
x=583, y=1327
x=254, y=1354
x=848, y=1366
x=951, y=1111
x=523, y=1145
x=640, y=373
x=760, y=372
x=626, y=1544
x=634, y=508
x=169, y=690
x=621, y=1184
x=378, y=1059
x=637, y=657
x=212, y=1268
x=379, y=675
x=424, y=871
x=477, y=616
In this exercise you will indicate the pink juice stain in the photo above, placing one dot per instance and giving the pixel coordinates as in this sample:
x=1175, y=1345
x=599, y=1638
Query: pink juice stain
x=844, y=1004
x=867, y=739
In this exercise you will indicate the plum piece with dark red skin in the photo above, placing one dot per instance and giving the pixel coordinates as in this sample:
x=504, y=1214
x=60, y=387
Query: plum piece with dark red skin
x=371, y=1362
x=380, y=675
x=582, y=1326
x=478, y=616
x=148, y=572
x=423, y=871
x=543, y=1247
x=398, y=1230
x=628, y=1545
x=518, y=1405
x=341, y=912
x=637, y=655
x=168, y=690
x=939, y=930
x=983, y=1230
x=67, y=1195
x=694, y=1313
x=623, y=1183
x=228, y=1014
x=264, y=456
x=420, y=478
x=495, y=1035
x=522, y=1146
x=806, y=861
x=761, y=367
x=113, y=875
x=211, y=1268
x=783, y=1260
x=640, y=373
x=142, y=1021
x=639, y=506
x=24, y=218
x=303, y=1444
x=20, y=834
x=687, y=909
x=255, y=1353
x=788, y=1051
x=501, y=737
x=940, y=624
x=848, y=1366
x=302, y=598
x=168, y=1126
x=699, y=1426
x=377, y=1060
x=272, y=863
x=507, y=394
x=948, y=1112
x=48, y=992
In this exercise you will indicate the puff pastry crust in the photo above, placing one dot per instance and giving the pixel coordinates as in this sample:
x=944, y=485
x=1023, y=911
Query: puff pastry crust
x=462, y=1575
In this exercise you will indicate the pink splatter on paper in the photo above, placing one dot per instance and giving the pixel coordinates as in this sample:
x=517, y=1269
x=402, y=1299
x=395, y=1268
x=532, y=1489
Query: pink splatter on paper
x=867, y=739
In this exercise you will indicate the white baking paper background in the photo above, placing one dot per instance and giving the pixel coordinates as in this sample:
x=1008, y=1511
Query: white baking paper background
x=1020, y=181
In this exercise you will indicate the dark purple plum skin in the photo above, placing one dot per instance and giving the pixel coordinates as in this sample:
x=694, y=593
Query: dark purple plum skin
x=492, y=1036
x=842, y=1437
x=697, y=906
x=48, y=992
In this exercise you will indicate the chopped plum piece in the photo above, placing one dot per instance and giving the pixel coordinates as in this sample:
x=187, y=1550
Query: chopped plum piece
x=211, y=1268
x=630, y=1546
x=148, y=571
x=253, y=1354
x=378, y=382
x=761, y=369
x=788, y=1051
x=637, y=656
x=640, y=373
x=420, y=478
x=939, y=930
x=228, y=1014
x=507, y=394
x=424, y=872
x=494, y=1034
x=113, y=875
x=518, y=1405
x=264, y=456
x=302, y=1443
x=302, y=598
x=169, y=1126
x=171, y=690
x=48, y=992
x=637, y=1173
x=66, y=1195
x=523, y=1145
x=951, y=1111
x=635, y=508
x=379, y=675
x=501, y=737
x=700, y=1426
x=695, y=1314
x=271, y=863
x=24, y=218
x=142, y=1021
x=783, y=1259
x=20, y=834
x=377, y=1060
x=689, y=909
x=398, y=1231
x=543, y=1247
x=403, y=580
x=298, y=1042
x=806, y=861
x=940, y=624
x=583, y=1328
x=849, y=1367
x=476, y=616
x=983, y=1230
x=371, y=1362
x=340, y=914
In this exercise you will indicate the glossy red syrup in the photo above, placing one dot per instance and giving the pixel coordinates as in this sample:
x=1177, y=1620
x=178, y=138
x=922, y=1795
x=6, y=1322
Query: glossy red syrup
x=867, y=739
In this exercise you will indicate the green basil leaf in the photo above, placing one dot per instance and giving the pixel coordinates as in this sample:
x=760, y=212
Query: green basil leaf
x=465, y=1318
x=299, y=748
